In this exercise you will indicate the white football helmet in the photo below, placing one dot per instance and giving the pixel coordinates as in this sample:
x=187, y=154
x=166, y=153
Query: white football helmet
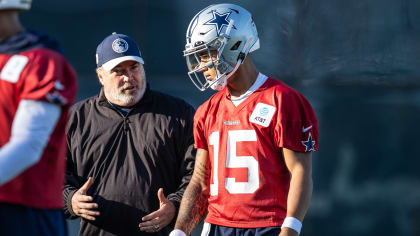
x=15, y=4
x=230, y=31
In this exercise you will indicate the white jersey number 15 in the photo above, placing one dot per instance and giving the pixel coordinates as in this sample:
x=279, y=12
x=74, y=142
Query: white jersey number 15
x=233, y=161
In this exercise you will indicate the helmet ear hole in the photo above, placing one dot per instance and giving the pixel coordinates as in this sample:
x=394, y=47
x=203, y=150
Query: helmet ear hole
x=236, y=46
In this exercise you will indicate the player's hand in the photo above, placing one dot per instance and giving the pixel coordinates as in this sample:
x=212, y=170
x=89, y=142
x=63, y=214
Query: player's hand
x=82, y=204
x=157, y=220
x=288, y=232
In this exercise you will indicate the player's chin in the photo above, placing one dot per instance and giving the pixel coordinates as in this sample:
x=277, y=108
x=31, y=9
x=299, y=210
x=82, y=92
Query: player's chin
x=209, y=78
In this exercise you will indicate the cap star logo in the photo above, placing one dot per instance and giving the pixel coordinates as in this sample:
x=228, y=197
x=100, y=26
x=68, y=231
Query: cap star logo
x=119, y=45
x=219, y=20
x=309, y=144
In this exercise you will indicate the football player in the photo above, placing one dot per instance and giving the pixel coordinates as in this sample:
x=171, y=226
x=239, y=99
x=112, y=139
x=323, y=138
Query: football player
x=37, y=85
x=255, y=137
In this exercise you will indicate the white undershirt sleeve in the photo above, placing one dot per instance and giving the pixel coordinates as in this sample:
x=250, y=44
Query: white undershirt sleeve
x=31, y=129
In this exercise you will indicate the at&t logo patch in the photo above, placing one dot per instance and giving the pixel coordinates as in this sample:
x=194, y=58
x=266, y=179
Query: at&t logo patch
x=262, y=114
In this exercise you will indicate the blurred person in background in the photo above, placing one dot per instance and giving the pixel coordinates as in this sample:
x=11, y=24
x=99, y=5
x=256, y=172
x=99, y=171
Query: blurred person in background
x=254, y=138
x=130, y=149
x=37, y=86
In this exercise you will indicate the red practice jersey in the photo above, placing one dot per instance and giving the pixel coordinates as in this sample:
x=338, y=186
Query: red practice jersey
x=249, y=179
x=38, y=74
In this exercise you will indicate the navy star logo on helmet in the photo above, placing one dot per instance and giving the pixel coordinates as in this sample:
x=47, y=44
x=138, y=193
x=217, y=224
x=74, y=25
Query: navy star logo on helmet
x=309, y=144
x=219, y=20
x=119, y=45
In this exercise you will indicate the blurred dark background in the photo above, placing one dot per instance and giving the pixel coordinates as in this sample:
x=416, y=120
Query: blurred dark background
x=358, y=62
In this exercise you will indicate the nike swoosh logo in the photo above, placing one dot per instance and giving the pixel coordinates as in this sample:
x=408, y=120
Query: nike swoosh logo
x=203, y=33
x=304, y=130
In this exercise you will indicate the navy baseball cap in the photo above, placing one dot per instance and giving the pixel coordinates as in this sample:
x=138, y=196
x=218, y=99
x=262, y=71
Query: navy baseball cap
x=115, y=49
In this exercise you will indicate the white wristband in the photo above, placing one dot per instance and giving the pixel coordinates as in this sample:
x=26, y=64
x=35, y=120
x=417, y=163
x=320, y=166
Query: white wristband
x=177, y=232
x=293, y=223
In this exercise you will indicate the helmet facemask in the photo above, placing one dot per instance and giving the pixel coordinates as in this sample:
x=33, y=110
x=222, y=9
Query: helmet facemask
x=206, y=50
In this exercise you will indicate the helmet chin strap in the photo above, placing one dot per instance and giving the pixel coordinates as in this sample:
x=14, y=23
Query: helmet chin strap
x=221, y=83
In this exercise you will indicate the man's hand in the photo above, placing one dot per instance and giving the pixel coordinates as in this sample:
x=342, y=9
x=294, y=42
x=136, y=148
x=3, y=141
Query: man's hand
x=157, y=220
x=82, y=204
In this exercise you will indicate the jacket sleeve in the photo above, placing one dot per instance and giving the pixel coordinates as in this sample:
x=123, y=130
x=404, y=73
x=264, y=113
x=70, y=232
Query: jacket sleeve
x=186, y=152
x=71, y=184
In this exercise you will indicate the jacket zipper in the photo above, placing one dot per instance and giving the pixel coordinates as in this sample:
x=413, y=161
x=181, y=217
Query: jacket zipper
x=126, y=121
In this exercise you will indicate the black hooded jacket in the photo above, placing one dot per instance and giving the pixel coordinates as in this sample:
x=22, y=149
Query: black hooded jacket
x=129, y=158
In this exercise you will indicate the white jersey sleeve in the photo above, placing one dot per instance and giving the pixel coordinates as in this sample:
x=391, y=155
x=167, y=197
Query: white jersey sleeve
x=31, y=129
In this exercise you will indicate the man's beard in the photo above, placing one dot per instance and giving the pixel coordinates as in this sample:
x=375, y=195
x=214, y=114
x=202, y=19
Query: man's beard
x=127, y=98
x=124, y=98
